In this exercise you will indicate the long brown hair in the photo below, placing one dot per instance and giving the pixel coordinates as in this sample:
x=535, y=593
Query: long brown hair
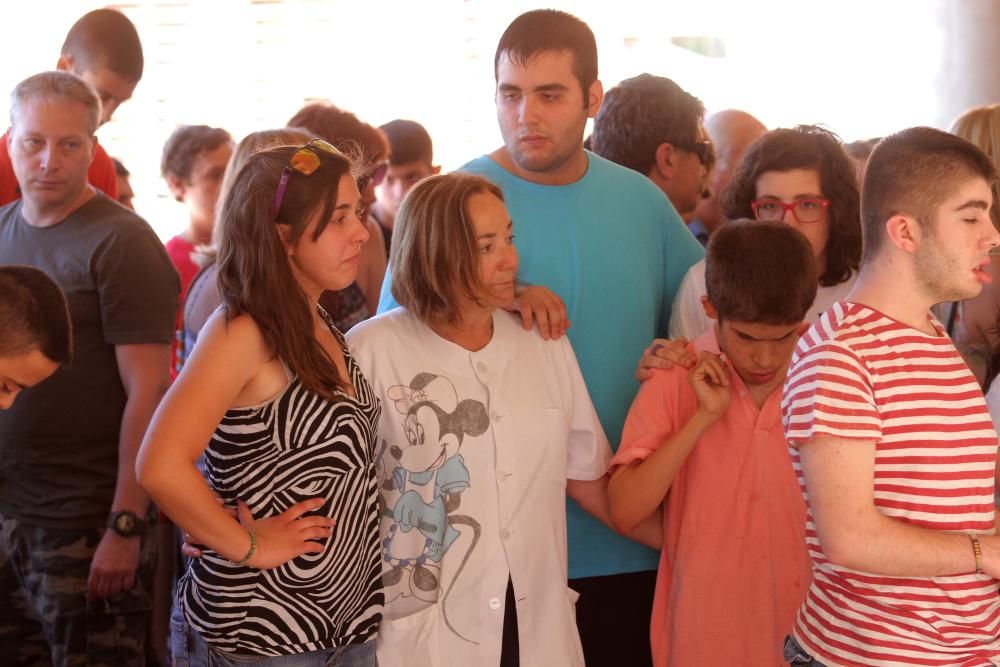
x=250, y=144
x=255, y=277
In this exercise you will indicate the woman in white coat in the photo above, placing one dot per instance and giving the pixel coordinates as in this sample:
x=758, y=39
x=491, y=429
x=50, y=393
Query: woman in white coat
x=485, y=429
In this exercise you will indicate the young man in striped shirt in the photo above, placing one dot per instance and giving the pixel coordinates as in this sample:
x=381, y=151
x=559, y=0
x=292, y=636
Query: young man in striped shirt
x=889, y=432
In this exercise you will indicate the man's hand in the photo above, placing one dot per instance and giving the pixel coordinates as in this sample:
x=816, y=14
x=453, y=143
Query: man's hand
x=664, y=353
x=710, y=380
x=541, y=305
x=113, y=567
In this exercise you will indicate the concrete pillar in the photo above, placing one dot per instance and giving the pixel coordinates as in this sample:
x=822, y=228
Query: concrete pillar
x=969, y=73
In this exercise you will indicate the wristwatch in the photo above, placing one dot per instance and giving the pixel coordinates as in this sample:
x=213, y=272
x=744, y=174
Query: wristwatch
x=126, y=523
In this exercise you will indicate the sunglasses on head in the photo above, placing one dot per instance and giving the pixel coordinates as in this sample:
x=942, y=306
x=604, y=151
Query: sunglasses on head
x=305, y=161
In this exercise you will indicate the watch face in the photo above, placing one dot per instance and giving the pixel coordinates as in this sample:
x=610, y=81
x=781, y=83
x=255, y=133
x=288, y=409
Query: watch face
x=124, y=524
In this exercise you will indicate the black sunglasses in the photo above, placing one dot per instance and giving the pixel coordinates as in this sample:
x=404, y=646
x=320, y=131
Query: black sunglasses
x=703, y=149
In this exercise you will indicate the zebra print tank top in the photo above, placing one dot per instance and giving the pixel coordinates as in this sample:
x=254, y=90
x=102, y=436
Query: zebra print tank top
x=295, y=446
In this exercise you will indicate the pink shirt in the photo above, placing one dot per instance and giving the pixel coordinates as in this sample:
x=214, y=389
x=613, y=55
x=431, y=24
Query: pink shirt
x=734, y=567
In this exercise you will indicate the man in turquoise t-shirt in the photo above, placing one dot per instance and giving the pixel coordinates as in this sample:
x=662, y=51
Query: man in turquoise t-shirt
x=608, y=242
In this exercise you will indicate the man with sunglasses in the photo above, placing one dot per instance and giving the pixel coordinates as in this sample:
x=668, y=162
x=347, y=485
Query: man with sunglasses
x=653, y=126
x=76, y=556
x=611, y=246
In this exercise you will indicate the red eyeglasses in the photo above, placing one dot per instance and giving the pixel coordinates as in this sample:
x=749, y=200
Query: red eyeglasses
x=804, y=211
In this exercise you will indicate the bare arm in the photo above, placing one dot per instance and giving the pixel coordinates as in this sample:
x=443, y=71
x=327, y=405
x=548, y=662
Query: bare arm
x=853, y=533
x=592, y=496
x=639, y=489
x=223, y=371
x=145, y=374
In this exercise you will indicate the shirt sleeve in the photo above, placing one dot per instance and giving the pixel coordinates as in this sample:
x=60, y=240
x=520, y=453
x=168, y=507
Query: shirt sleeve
x=650, y=420
x=587, y=450
x=102, y=174
x=138, y=286
x=681, y=251
x=688, y=317
x=386, y=301
x=829, y=392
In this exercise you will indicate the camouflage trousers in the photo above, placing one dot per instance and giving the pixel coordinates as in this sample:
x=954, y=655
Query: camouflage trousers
x=45, y=615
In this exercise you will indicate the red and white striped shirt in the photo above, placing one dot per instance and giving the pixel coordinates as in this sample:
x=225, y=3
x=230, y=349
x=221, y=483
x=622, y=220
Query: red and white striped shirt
x=859, y=375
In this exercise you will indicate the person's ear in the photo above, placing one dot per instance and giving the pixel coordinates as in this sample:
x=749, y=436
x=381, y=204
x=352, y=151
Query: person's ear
x=284, y=234
x=65, y=63
x=904, y=232
x=664, y=159
x=595, y=96
x=176, y=187
x=436, y=169
x=709, y=308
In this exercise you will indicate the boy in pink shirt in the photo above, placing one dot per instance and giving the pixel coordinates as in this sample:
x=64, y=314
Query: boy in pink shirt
x=707, y=446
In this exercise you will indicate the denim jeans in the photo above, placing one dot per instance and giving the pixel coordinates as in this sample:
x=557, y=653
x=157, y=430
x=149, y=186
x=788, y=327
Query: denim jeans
x=797, y=656
x=189, y=650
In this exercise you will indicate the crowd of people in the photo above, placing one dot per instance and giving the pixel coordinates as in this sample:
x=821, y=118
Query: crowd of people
x=680, y=393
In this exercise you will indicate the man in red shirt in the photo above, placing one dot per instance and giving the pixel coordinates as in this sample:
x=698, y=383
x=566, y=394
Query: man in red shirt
x=103, y=49
x=889, y=432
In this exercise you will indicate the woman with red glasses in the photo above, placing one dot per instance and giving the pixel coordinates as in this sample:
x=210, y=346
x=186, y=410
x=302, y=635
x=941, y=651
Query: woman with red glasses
x=287, y=424
x=803, y=177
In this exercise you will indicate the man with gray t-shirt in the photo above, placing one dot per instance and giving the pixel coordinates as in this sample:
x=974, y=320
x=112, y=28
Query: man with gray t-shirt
x=75, y=561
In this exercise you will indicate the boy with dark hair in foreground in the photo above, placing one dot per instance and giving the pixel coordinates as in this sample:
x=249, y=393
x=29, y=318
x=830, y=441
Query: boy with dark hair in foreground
x=707, y=446
x=37, y=337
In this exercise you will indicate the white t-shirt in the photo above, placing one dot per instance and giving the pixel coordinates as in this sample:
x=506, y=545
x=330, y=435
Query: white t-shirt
x=475, y=450
x=993, y=403
x=688, y=319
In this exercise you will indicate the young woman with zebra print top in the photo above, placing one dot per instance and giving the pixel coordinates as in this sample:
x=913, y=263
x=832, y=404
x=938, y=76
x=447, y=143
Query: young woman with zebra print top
x=287, y=424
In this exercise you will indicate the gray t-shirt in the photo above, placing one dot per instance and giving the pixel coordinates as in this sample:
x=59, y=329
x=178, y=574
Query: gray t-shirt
x=59, y=441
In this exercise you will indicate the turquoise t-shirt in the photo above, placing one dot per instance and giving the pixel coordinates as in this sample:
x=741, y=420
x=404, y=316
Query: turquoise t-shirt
x=615, y=250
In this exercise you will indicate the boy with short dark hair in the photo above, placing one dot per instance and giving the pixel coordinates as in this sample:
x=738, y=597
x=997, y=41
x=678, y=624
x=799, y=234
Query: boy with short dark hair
x=103, y=49
x=707, y=446
x=411, y=159
x=193, y=163
x=37, y=336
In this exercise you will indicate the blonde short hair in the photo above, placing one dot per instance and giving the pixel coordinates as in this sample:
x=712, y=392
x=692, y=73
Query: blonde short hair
x=57, y=84
x=434, y=255
x=981, y=126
